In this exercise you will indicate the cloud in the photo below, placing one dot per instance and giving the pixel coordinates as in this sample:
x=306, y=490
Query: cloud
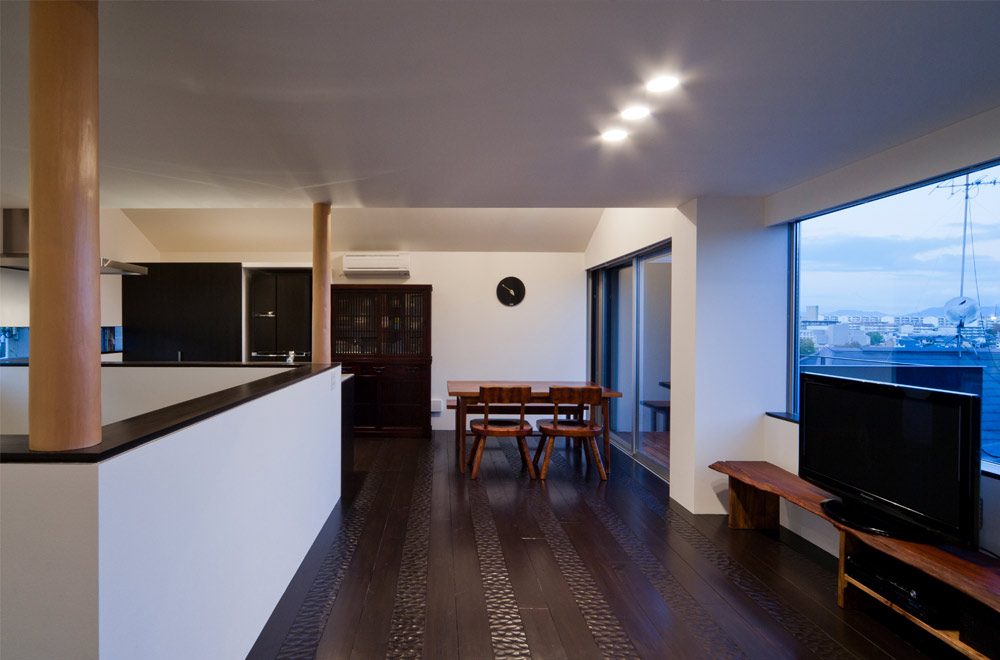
x=989, y=249
x=924, y=213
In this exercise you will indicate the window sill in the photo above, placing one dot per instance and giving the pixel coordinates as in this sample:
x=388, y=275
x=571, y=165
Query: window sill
x=787, y=416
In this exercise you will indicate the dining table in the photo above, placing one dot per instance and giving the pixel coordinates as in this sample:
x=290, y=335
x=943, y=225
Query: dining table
x=466, y=393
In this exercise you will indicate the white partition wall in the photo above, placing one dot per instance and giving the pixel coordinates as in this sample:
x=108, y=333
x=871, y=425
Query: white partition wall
x=179, y=548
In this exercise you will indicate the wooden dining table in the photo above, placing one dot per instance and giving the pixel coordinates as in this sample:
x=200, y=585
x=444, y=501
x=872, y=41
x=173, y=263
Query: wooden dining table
x=466, y=393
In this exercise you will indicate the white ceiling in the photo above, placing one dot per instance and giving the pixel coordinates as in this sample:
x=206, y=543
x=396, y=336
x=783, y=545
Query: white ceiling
x=493, y=104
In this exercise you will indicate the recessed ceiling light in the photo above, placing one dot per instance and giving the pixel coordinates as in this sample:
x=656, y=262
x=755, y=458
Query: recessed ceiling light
x=634, y=112
x=614, y=135
x=662, y=84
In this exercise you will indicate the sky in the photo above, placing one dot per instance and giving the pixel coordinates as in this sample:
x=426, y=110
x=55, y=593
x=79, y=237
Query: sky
x=903, y=253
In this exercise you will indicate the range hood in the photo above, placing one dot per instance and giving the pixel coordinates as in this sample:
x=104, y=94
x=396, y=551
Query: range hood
x=14, y=251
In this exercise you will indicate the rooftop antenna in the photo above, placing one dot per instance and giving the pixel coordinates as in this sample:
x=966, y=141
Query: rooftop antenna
x=963, y=309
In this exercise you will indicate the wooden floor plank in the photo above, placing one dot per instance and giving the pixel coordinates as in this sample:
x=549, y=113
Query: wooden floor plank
x=502, y=491
x=543, y=638
x=648, y=621
x=338, y=634
x=729, y=607
x=372, y=632
x=677, y=584
x=472, y=619
x=441, y=626
x=577, y=639
x=792, y=577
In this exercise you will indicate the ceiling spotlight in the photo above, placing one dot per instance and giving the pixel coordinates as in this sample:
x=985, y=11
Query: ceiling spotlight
x=634, y=112
x=614, y=135
x=662, y=84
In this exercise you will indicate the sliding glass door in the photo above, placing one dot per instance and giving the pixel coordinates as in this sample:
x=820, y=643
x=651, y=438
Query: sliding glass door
x=620, y=283
x=653, y=359
x=630, y=351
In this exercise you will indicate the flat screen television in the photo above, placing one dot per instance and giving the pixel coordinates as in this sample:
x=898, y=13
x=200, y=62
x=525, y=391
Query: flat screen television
x=903, y=461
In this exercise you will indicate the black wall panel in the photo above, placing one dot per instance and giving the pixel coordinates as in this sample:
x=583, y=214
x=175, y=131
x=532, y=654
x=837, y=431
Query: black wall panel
x=186, y=311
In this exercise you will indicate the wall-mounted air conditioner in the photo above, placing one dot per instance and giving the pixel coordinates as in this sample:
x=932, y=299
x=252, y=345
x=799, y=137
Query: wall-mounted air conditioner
x=377, y=264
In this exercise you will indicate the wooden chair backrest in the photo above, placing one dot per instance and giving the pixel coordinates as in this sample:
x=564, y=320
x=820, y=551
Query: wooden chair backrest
x=500, y=394
x=576, y=396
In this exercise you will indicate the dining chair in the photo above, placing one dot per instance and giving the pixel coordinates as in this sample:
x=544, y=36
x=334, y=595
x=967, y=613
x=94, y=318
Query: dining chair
x=501, y=427
x=583, y=427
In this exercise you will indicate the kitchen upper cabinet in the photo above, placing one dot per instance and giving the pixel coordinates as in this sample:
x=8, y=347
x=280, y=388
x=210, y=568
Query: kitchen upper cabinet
x=184, y=312
x=382, y=335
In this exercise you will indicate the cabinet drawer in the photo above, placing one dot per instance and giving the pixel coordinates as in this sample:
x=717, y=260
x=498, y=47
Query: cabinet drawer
x=408, y=371
x=364, y=369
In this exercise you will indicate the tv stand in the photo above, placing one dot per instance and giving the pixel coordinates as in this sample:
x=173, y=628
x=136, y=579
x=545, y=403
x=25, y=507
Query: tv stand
x=755, y=488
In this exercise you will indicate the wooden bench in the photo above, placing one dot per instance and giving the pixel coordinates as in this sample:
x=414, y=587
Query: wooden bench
x=755, y=488
x=656, y=409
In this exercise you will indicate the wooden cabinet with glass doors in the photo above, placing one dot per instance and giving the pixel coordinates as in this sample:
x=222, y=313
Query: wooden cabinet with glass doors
x=382, y=335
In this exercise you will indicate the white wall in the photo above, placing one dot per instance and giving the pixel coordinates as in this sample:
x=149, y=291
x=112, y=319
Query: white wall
x=742, y=273
x=121, y=240
x=472, y=334
x=14, y=298
x=48, y=561
x=781, y=447
x=177, y=549
x=129, y=391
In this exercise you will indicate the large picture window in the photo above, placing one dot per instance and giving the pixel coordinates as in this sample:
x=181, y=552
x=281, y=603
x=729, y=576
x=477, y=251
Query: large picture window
x=906, y=288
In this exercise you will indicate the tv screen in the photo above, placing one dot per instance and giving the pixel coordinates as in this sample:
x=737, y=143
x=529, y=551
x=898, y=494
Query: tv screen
x=904, y=460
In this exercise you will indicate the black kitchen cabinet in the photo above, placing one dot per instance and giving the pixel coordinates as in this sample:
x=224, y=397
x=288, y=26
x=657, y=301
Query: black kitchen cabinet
x=280, y=314
x=382, y=335
x=183, y=312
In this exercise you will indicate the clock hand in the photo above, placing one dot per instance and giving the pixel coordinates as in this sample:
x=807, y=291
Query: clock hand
x=510, y=290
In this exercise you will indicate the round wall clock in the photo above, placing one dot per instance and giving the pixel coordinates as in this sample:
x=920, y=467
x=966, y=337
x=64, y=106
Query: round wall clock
x=510, y=291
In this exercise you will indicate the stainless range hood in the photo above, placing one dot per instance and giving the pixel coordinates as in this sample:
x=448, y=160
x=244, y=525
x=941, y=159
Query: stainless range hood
x=14, y=251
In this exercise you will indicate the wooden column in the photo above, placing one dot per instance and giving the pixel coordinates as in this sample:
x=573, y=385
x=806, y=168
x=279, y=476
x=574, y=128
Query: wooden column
x=321, y=284
x=64, y=393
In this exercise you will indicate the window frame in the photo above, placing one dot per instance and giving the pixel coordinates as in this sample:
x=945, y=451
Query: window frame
x=792, y=385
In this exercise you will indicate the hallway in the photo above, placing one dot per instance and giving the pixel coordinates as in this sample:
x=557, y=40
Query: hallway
x=427, y=563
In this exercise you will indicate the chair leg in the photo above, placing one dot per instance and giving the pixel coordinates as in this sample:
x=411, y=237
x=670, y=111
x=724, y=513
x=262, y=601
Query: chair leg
x=586, y=451
x=592, y=442
x=548, y=454
x=478, y=454
x=538, y=452
x=525, y=456
x=475, y=445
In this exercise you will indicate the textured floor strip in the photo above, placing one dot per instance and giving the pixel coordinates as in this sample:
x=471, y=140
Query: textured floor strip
x=700, y=623
x=506, y=627
x=811, y=636
x=409, y=614
x=607, y=630
x=303, y=637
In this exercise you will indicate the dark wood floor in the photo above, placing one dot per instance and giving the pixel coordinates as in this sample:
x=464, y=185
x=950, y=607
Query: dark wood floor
x=424, y=562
